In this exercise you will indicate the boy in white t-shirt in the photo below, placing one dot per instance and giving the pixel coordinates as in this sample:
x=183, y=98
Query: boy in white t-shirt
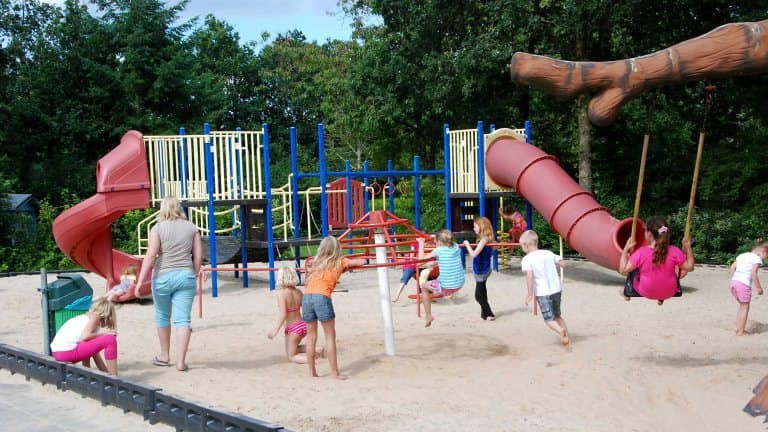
x=744, y=271
x=540, y=267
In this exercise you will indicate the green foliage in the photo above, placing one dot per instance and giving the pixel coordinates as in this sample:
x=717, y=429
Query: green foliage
x=382, y=96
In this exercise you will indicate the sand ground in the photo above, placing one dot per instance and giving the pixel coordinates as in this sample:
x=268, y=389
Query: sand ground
x=632, y=366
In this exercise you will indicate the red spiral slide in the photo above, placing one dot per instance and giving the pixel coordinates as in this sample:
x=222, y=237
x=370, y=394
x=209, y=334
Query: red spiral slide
x=571, y=211
x=83, y=232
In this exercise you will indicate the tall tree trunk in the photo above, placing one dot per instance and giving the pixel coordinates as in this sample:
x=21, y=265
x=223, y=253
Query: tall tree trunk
x=585, y=143
x=585, y=127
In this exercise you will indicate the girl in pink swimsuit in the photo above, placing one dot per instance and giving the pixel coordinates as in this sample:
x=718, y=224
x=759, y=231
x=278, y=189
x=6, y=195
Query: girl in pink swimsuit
x=289, y=304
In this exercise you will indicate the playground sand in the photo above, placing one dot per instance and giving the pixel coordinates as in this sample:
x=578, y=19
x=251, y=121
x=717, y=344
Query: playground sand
x=632, y=366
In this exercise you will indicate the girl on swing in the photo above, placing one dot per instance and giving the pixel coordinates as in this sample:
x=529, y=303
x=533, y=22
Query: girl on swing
x=653, y=268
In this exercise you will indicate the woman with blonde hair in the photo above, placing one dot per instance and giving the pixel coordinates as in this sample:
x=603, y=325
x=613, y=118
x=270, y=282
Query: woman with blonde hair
x=175, y=251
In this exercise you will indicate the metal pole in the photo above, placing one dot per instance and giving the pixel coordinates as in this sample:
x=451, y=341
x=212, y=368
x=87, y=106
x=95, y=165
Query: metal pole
x=44, y=306
x=386, y=303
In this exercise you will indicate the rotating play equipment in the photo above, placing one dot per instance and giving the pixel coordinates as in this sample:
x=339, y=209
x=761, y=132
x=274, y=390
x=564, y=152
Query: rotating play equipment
x=573, y=212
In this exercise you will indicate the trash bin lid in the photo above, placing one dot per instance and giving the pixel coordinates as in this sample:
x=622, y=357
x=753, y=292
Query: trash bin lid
x=66, y=289
x=81, y=304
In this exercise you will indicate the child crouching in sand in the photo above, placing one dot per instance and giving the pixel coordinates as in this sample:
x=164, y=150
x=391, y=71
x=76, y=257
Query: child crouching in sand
x=540, y=267
x=289, y=304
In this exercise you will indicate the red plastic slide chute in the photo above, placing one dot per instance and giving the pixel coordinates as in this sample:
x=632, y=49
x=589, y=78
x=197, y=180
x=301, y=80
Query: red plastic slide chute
x=83, y=232
x=570, y=210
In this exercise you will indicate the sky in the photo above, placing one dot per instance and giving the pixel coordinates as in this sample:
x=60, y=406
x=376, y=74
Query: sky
x=319, y=20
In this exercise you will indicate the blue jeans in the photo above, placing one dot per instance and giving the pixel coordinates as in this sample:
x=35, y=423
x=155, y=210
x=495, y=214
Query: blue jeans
x=175, y=291
x=407, y=275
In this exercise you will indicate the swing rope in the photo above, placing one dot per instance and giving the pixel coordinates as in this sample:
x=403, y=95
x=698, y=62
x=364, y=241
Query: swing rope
x=709, y=91
x=641, y=174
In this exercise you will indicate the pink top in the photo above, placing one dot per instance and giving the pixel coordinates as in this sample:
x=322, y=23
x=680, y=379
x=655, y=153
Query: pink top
x=414, y=250
x=657, y=282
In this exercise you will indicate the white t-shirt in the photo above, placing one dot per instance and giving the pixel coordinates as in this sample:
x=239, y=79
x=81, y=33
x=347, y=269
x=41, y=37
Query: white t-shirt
x=70, y=334
x=543, y=263
x=744, y=264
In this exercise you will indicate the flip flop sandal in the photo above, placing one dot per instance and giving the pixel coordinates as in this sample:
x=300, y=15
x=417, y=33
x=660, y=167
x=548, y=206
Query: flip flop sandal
x=157, y=362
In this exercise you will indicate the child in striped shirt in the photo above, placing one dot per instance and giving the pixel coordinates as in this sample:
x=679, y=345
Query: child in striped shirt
x=451, y=278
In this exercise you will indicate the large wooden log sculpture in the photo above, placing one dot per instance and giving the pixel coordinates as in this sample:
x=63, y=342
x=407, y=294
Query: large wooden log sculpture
x=731, y=49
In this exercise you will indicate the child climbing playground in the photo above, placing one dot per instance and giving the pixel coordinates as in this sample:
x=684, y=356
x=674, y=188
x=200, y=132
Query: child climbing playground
x=542, y=280
x=517, y=222
x=744, y=276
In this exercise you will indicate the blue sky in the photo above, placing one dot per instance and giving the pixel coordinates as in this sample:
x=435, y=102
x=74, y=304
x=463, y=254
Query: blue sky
x=317, y=19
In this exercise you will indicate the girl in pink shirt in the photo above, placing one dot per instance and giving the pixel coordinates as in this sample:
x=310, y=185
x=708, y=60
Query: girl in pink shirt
x=657, y=262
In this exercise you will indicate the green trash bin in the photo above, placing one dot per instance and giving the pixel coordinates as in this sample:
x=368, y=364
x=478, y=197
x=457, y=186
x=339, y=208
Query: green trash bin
x=68, y=296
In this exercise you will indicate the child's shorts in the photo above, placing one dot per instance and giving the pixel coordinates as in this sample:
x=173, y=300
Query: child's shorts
x=434, y=286
x=316, y=307
x=741, y=291
x=407, y=275
x=550, y=306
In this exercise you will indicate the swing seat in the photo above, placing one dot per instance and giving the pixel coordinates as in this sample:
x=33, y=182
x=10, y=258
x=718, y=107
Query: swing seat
x=629, y=286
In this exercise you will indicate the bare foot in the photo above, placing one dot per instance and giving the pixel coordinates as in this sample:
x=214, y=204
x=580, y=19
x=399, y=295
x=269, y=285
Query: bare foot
x=428, y=321
x=621, y=293
x=490, y=318
x=565, y=339
x=340, y=377
x=314, y=374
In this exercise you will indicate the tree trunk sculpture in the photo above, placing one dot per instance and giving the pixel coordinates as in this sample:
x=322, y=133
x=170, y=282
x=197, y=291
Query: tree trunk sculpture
x=731, y=49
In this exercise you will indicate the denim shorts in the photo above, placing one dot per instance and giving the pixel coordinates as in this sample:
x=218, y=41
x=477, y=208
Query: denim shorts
x=407, y=275
x=317, y=307
x=550, y=306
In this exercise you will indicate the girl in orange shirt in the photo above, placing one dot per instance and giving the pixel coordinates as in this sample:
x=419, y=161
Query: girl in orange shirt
x=316, y=305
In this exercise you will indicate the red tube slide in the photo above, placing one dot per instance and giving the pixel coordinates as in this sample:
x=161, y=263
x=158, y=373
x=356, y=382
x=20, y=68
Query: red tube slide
x=570, y=210
x=83, y=232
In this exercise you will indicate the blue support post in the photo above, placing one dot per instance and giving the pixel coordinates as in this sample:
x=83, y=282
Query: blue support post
x=268, y=207
x=447, y=176
x=528, y=207
x=183, y=164
x=391, y=188
x=481, y=166
x=366, y=196
x=209, y=185
x=323, y=180
x=295, y=194
x=416, y=194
